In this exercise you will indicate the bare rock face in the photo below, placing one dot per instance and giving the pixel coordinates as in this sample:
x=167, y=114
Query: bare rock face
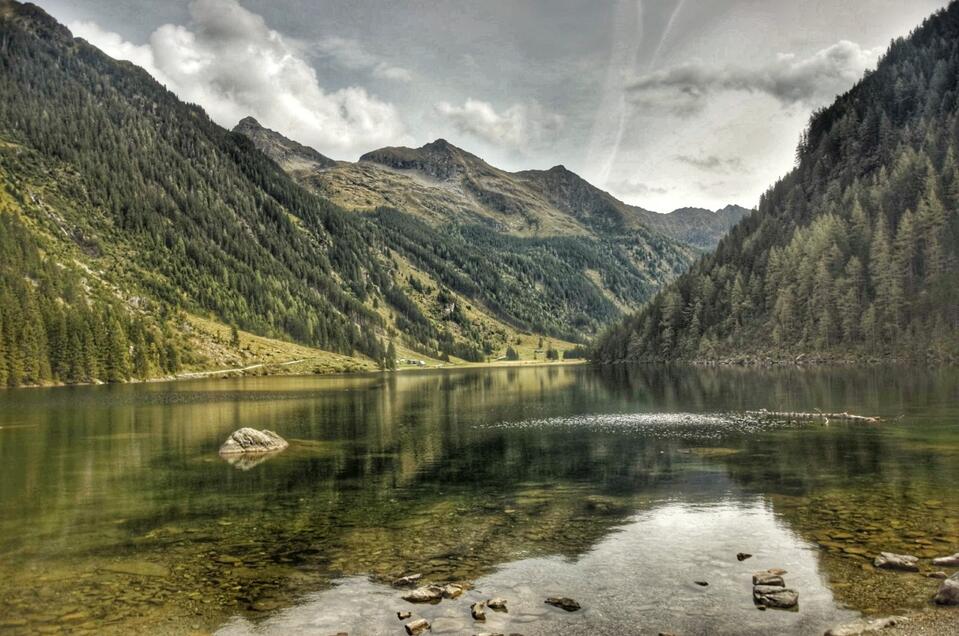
x=865, y=626
x=948, y=593
x=891, y=561
x=250, y=440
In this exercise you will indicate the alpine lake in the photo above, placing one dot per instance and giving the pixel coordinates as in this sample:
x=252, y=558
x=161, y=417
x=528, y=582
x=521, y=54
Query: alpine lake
x=624, y=488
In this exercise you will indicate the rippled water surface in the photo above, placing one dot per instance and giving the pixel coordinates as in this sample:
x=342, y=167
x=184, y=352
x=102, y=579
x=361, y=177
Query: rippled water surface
x=619, y=488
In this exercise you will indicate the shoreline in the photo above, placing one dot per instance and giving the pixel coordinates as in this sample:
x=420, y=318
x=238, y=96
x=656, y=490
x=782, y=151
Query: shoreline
x=241, y=372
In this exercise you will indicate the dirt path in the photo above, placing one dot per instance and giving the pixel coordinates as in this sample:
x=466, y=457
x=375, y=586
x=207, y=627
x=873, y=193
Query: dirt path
x=201, y=374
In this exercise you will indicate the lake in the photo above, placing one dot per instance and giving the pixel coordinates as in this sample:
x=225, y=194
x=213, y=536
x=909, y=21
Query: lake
x=621, y=488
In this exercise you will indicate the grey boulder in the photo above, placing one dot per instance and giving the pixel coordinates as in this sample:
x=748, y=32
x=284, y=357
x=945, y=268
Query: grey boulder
x=949, y=561
x=891, y=561
x=948, y=593
x=776, y=597
x=250, y=440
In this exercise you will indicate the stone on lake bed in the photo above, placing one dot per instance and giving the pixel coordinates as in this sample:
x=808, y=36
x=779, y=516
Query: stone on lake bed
x=478, y=611
x=417, y=626
x=250, y=440
x=948, y=561
x=137, y=568
x=497, y=604
x=425, y=594
x=742, y=556
x=865, y=626
x=563, y=602
x=770, y=572
x=405, y=581
x=765, y=578
x=702, y=583
x=776, y=597
x=452, y=590
x=948, y=593
x=403, y=615
x=892, y=561
x=937, y=575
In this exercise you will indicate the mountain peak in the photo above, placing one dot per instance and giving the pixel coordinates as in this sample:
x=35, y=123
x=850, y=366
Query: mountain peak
x=33, y=19
x=291, y=155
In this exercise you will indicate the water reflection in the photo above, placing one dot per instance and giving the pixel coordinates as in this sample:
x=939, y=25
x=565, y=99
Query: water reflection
x=113, y=499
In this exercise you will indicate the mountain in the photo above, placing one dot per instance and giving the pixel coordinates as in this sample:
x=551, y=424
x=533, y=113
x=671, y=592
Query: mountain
x=140, y=239
x=852, y=255
x=440, y=182
x=291, y=156
x=697, y=227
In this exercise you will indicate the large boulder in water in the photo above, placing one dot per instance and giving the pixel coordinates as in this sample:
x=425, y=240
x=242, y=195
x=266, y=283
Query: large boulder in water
x=892, y=561
x=250, y=440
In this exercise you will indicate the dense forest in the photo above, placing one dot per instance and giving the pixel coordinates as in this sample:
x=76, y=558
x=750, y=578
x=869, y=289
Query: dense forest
x=853, y=254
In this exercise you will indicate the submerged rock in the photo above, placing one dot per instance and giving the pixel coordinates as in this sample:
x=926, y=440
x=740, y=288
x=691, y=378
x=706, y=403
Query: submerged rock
x=770, y=572
x=417, y=626
x=937, y=575
x=425, y=594
x=948, y=593
x=742, y=556
x=777, y=597
x=406, y=581
x=765, y=578
x=497, y=604
x=949, y=561
x=563, y=602
x=702, y=583
x=865, y=626
x=250, y=440
x=892, y=561
x=478, y=611
x=452, y=590
x=403, y=615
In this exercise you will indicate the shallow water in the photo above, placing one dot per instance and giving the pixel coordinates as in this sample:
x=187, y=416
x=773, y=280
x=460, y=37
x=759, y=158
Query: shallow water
x=620, y=488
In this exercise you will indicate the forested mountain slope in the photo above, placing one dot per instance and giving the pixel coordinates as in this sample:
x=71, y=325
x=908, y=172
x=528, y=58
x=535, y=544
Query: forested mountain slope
x=855, y=253
x=125, y=212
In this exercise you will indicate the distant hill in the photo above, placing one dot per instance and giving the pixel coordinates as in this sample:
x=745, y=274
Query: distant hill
x=698, y=227
x=852, y=255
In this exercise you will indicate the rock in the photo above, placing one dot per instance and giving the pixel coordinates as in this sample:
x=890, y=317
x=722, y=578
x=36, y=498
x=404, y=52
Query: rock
x=137, y=568
x=742, y=556
x=497, y=604
x=406, y=581
x=403, y=615
x=417, y=626
x=864, y=626
x=937, y=575
x=426, y=594
x=902, y=562
x=452, y=590
x=702, y=583
x=489, y=634
x=770, y=572
x=765, y=578
x=948, y=562
x=563, y=602
x=250, y=440
x=948, y=593
x=478, y=611
x=777, y=597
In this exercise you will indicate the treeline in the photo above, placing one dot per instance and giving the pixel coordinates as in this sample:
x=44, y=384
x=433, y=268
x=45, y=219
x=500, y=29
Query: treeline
x=855, y=252
x=52, y=330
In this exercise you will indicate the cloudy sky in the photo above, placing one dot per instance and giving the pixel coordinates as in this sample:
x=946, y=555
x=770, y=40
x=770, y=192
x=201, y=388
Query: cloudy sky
x=666, y=103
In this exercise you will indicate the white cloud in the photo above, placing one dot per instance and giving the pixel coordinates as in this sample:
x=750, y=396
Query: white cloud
x=232, y=64
x=811, y=81
x=517, y=127
x=352, y=55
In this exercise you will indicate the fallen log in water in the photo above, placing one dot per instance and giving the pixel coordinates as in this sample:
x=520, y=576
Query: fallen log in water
x=817, y=415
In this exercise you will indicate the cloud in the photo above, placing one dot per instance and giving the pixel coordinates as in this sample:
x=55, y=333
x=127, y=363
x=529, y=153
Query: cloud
x=810, y=81
x=517, y=127
x=232, y=64
x=713, y=163
x=629, y=188
x=352, y=55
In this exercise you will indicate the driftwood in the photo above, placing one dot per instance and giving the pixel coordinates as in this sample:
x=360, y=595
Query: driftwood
x=817, y=415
